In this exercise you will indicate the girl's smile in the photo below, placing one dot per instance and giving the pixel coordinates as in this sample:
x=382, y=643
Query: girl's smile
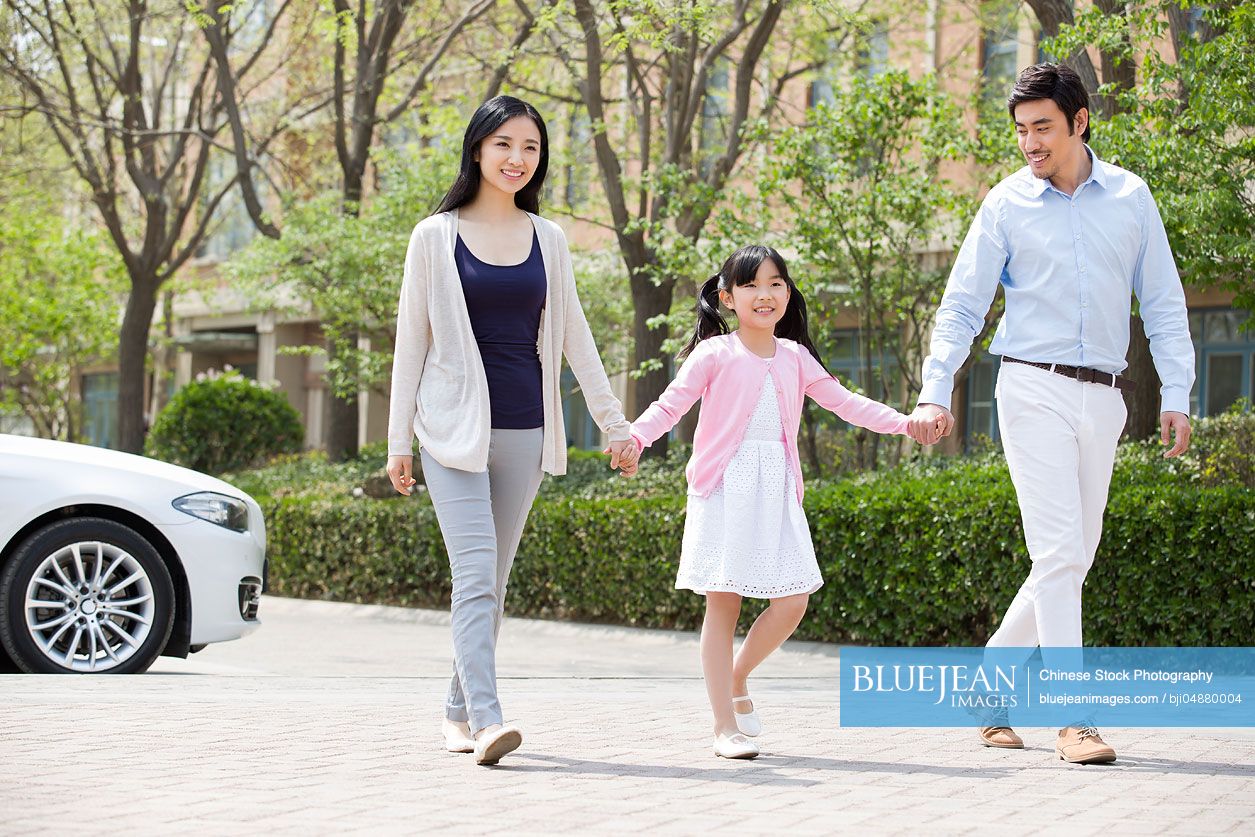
x=760, y=303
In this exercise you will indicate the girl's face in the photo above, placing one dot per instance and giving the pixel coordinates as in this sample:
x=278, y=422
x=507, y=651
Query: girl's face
x=508, y=158
x=762, y=303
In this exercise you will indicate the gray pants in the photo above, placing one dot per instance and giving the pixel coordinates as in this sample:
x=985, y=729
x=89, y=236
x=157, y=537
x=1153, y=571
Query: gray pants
x=481, y=517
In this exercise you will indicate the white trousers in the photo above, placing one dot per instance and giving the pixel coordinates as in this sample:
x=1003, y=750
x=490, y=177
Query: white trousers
x=1059, y=436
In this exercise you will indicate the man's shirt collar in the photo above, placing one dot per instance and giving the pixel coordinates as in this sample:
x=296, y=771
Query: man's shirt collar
x=1037, y=185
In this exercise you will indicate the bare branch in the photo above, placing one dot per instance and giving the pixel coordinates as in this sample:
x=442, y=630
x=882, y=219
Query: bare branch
x=228, y=101
x=476, y=10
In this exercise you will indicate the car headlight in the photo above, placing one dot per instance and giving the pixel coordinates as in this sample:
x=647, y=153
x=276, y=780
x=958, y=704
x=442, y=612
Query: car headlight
x=227, y=512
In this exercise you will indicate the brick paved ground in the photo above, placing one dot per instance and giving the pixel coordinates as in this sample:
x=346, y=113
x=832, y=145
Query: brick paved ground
x=326, y=720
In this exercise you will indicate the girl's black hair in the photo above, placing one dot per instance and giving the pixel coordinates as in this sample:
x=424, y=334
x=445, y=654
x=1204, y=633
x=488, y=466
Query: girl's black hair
x=488, y=117
x=740, y=269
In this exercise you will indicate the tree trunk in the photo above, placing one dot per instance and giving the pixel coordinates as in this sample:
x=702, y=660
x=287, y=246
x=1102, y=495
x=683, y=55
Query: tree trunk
x=1051, y=14
x=1143, y=402
x=650, y=300
x=1122, y=73
x=132, y=356
x=341, y=419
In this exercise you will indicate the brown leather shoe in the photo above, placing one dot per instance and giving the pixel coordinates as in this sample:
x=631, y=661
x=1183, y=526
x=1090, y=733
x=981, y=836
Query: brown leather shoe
x=1001, y=737
x=1083, y=745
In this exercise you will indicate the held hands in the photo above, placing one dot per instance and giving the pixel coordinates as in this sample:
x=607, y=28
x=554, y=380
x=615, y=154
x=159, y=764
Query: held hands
x=401, y=472
x=625, y=456
x=1179, y=425
x=929, y=423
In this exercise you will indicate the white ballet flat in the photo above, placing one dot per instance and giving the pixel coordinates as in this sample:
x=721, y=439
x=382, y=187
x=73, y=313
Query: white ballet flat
x=490, y=747
x=457, y=737
x=747, y=723
x=735, y=747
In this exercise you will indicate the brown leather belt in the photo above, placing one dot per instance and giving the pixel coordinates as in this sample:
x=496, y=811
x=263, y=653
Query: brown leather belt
x=1080, y=373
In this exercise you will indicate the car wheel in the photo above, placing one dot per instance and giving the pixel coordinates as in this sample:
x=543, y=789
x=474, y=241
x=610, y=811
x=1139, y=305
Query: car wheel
x=86, y=595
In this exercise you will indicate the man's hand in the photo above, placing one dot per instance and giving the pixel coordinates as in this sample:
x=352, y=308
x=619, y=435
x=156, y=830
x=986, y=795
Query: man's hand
x=624, y=455
x=929, y=423
x=1179, y=424
x=400, y=471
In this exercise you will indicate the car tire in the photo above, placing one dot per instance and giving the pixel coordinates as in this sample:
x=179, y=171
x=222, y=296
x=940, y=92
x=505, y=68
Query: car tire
x=105, y=601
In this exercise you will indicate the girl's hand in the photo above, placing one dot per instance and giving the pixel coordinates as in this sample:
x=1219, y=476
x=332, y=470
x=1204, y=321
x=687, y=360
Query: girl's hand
x=400, y=471
x=624, y=456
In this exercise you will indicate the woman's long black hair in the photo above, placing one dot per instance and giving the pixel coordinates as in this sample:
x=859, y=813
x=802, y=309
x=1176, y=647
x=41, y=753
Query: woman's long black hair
x=740, y=269
x=488, y=117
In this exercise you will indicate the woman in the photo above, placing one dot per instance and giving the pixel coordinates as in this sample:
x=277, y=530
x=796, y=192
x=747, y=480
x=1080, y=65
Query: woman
x=488, y=310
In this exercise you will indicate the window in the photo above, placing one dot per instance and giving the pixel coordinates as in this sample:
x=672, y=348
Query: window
x=1000, y=48
x=250, y=25
x=1224, y=360
x=982, y=406
x=714, y=136
x=1194, y=21
x=232, y=228
x=845, y=360
x=100, y=409
x=581, y=431
x=579, y=158
x=873, y=51
x=821, y=89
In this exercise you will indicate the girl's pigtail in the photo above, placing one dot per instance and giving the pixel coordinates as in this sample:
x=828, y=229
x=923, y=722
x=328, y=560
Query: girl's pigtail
x=794, y=324
x=709, y=321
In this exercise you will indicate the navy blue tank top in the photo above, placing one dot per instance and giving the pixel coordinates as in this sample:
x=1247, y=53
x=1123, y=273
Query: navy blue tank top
x=505, y=302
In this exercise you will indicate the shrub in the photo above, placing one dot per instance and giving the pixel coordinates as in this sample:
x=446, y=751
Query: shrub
x=928, y=554
x=224, y=422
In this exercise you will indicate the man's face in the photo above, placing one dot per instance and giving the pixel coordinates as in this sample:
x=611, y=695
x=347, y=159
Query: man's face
x=1045, y=141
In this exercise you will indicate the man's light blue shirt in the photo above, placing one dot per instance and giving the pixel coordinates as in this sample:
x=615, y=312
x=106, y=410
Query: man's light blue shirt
x=1069, y=266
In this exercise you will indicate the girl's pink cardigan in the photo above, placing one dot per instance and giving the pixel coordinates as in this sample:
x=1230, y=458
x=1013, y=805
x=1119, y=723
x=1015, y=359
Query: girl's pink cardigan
x=728, y=378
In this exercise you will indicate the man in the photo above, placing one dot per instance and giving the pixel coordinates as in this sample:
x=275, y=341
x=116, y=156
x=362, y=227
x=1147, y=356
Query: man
x=1069, y=237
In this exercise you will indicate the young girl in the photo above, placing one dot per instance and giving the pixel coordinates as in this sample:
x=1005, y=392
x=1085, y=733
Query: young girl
x=745, y=533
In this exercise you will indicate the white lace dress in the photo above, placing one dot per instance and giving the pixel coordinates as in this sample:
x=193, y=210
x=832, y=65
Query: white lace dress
x=750, y=536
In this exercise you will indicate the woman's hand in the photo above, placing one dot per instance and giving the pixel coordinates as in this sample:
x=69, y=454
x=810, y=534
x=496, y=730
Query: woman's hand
x=624, y=455
x=401, y=472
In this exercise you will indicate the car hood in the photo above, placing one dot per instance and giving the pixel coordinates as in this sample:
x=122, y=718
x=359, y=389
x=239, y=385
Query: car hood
x=78, y=456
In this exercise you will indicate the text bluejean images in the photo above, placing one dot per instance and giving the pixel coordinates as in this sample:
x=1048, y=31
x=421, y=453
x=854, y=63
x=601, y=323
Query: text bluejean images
x=1137, y=687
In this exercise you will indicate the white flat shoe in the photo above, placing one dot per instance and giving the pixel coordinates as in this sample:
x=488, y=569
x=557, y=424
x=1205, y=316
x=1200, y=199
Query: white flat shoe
x=457, y=737
x=735, y=747
x=491, y=747
x=748, y=723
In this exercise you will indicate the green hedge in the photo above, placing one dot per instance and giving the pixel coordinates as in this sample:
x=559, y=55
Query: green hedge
x=924, y=556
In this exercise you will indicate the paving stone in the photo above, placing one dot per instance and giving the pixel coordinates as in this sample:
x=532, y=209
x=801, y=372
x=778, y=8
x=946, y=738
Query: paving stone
x=303, y=728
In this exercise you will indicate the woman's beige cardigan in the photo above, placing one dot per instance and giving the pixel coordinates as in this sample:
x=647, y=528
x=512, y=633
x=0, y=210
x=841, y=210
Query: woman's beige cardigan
x=439, y=391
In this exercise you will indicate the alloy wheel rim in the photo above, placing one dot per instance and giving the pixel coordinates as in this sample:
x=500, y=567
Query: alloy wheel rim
x=89, y=606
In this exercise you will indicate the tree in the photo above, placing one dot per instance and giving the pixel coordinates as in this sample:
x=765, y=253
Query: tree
x=348, y=266
x=861, y=182
x=383, y=59
x=693, y=76
x=59, y=296
x=1185, y=123
x=133, y=103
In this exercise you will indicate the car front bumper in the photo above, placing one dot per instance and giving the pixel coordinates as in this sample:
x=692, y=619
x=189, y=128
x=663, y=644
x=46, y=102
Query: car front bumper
x=224, y=572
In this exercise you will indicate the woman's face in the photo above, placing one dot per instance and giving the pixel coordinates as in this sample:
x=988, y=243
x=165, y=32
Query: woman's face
x=509, y=157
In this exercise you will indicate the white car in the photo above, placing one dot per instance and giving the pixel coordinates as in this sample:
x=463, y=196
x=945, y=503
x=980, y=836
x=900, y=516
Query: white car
x=109, y=560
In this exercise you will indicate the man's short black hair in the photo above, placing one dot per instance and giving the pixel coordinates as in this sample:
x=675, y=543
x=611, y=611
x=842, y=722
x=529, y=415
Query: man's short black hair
x=1057, y=82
